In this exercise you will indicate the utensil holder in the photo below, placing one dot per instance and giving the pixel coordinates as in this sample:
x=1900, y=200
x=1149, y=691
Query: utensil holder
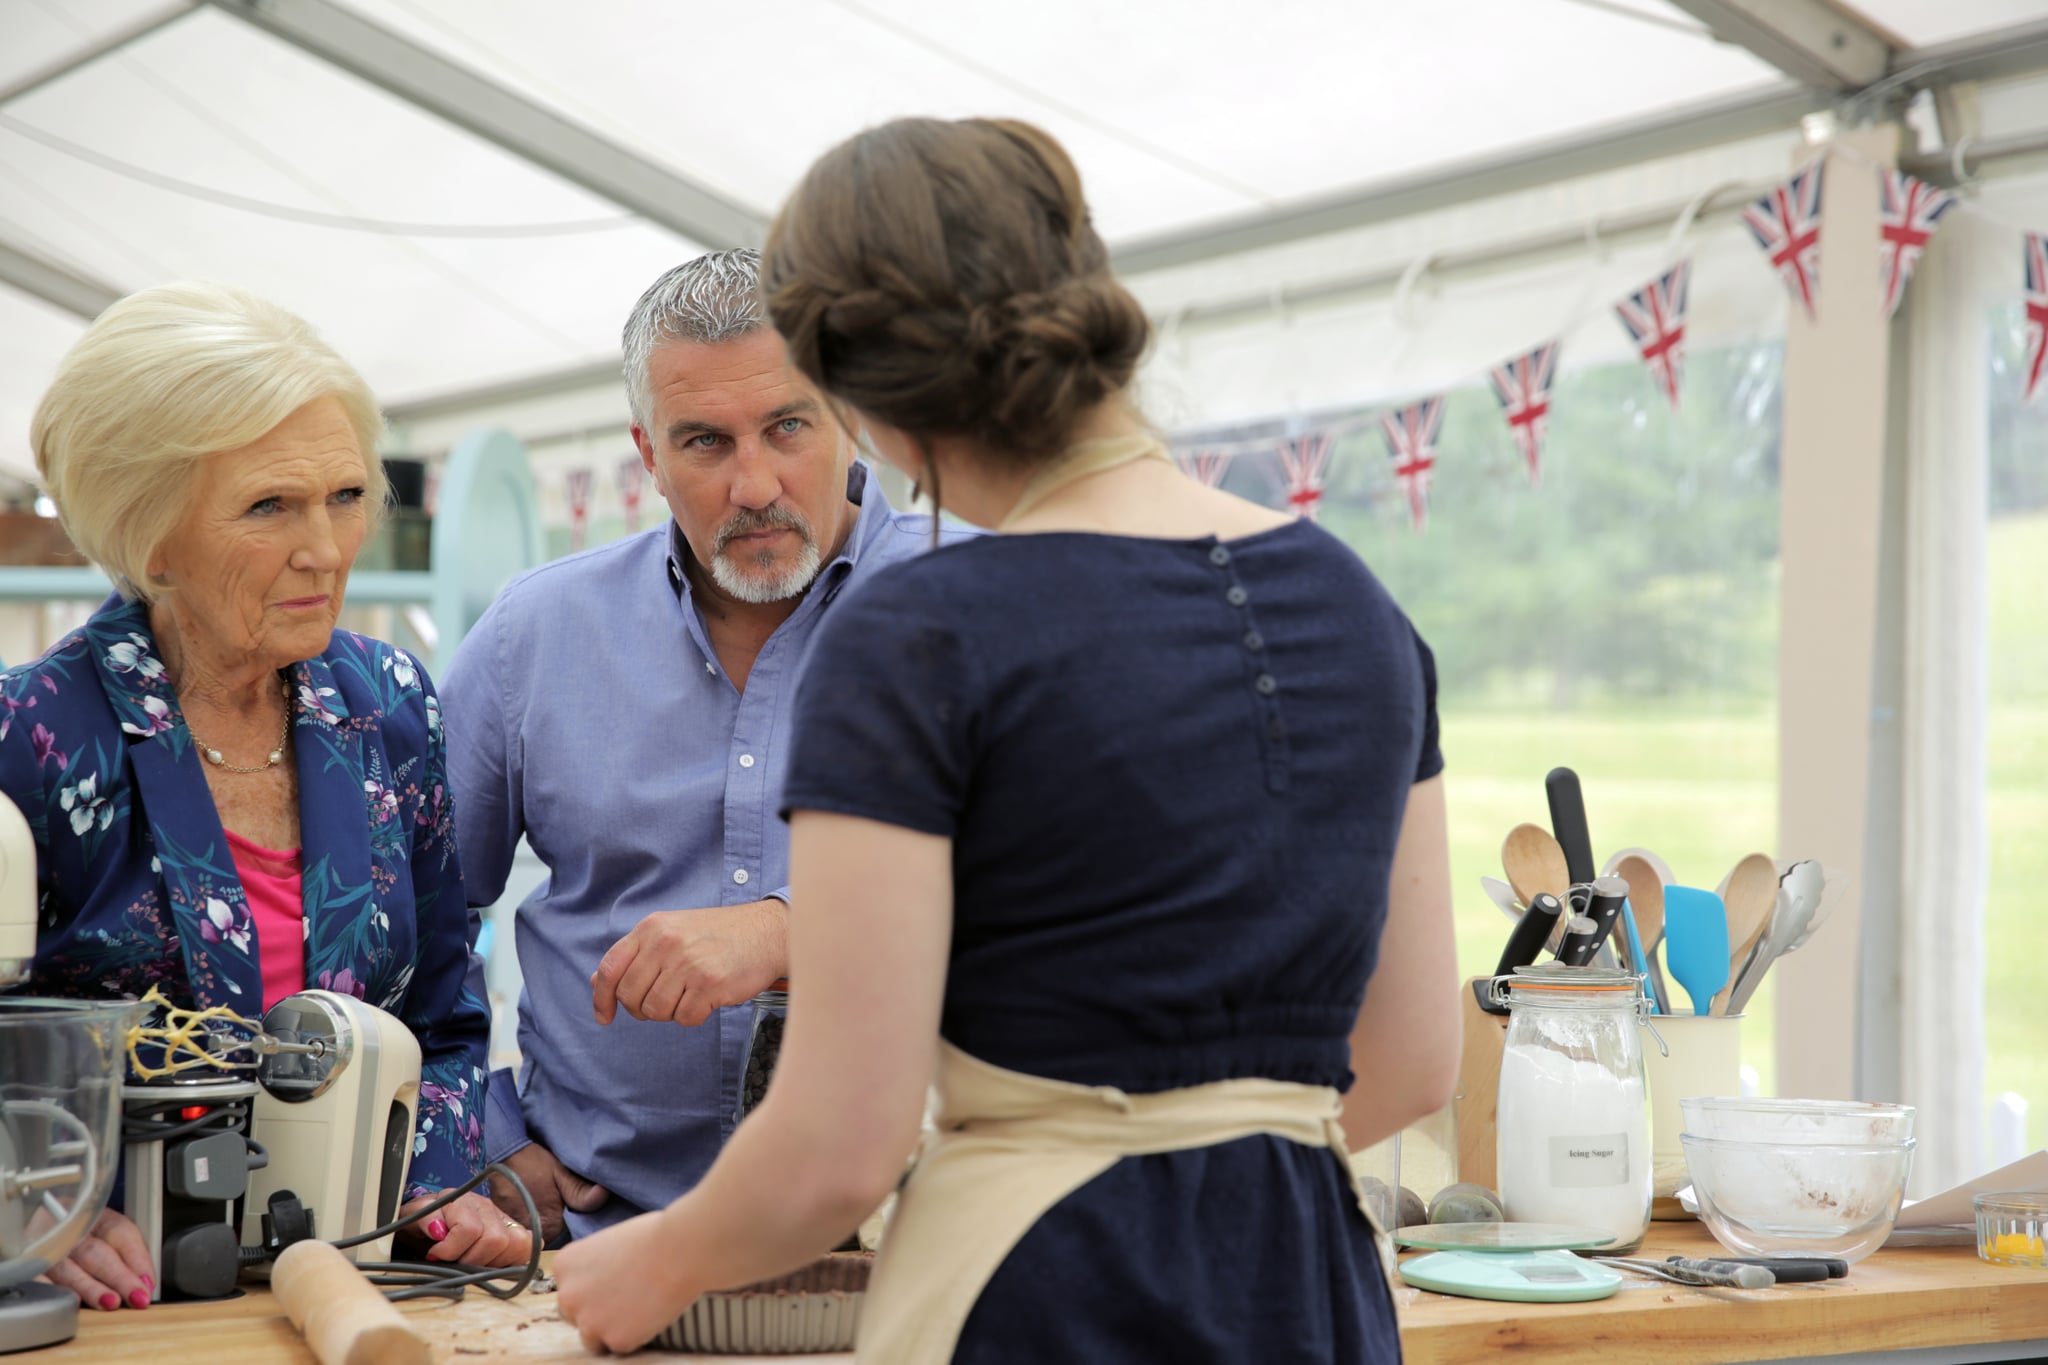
x=1705, y=1059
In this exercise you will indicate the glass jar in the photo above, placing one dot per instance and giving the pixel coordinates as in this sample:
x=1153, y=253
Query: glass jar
x=764, y=1046
x=1573, y=1134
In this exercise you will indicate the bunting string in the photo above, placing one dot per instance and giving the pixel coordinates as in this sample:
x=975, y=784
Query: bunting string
x=1786, y=223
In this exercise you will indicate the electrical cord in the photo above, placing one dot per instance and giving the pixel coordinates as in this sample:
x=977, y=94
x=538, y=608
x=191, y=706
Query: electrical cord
x=139, y=1121
x=422, y=1279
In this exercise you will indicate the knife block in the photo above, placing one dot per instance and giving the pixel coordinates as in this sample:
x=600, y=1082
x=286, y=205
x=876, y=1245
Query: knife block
x=1478, y=1097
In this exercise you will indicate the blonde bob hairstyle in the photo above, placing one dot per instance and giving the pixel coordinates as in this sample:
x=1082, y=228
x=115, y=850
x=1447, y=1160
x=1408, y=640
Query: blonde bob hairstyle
x=160, y=381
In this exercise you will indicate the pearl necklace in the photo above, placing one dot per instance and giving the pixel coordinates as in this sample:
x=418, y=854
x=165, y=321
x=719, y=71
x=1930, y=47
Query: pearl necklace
x=213, y=755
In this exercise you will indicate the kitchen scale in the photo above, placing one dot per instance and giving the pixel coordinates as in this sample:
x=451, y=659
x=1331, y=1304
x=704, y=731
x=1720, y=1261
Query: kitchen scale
x=1516, y=1262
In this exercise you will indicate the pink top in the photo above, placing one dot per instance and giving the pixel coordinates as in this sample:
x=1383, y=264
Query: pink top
x=277, y=909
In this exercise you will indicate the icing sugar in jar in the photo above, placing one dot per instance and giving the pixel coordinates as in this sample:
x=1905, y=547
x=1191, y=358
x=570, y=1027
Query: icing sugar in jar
x=1574, y=1114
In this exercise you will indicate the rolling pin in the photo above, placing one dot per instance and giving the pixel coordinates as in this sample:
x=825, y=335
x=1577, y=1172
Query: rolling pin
x=343, y=1318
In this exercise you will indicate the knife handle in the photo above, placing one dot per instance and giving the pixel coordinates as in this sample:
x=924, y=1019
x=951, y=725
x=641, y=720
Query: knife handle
x=1730, y=1274
x=1603, y=907
x=1531, y=933
x=1790, y=1269
x=1568, y=822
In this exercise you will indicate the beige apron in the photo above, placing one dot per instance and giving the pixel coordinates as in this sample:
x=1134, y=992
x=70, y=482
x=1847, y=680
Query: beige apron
x=1080, y=460
x=1007, y=1147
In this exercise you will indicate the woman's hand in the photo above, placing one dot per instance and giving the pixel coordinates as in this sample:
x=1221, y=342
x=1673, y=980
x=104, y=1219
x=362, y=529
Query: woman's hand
x=471, y=1230
x=620, y=1287
x=109, y=1266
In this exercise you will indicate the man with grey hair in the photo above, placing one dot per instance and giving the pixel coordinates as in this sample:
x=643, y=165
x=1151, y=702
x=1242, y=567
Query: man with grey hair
x=626, y=711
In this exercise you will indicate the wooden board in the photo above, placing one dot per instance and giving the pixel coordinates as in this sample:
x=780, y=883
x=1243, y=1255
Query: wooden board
x=1896, y=1300
x=1478, y=1097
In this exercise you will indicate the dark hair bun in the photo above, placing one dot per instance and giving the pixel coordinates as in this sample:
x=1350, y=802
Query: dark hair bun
x=945, y=278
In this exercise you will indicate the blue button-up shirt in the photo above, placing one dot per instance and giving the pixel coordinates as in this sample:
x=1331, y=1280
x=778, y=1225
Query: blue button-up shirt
x=588, y=712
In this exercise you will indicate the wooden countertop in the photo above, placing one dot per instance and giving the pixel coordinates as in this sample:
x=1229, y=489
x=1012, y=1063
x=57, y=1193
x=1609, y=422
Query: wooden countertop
x=1896, y=1300
x=253, y=1330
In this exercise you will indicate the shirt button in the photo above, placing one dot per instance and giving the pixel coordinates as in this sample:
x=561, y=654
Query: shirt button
x=1237, y=597
x=1266, y=685
x=739, y=876
x=746, y=760
x=1254, y=641
x=1219, y=556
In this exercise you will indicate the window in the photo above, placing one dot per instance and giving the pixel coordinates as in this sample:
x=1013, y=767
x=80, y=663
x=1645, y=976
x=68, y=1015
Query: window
x=1621, y=619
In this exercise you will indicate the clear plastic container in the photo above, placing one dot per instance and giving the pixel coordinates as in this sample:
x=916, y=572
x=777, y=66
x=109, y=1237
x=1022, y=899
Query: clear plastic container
x=764, y=1047
x=2012, y=1228
x=1573, y=1135
x=61, y=1065
x=1378, y=1171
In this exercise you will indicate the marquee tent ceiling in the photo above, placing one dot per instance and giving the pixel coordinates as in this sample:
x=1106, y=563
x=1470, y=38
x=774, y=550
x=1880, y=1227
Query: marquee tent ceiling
x=1190, y=119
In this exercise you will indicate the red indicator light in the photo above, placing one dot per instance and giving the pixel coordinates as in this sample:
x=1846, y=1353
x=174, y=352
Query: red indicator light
x=192, y=1111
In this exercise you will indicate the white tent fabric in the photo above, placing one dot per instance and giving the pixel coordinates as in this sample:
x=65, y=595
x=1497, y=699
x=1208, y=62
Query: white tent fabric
x=1180, y=113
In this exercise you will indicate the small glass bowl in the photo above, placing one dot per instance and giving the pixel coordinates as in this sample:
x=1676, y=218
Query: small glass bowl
x=2012, y=1229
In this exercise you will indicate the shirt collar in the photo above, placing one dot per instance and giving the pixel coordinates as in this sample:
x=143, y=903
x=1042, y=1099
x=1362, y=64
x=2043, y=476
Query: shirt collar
x=862, y=491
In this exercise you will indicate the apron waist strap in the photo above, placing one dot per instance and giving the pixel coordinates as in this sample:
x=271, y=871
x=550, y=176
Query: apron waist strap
x=1007, y=1147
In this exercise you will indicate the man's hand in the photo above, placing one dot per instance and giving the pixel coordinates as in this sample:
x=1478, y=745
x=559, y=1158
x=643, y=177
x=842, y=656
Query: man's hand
x=683, y=964
x=552, y=1185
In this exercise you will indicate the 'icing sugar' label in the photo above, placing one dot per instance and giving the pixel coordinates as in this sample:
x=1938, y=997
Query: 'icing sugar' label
x=1589, y=1161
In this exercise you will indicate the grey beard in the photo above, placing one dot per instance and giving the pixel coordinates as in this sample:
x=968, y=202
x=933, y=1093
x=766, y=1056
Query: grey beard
x=735, y=582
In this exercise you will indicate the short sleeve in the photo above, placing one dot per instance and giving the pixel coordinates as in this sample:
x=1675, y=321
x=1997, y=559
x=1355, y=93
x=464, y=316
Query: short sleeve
x=1432, y=760
x=885, y=710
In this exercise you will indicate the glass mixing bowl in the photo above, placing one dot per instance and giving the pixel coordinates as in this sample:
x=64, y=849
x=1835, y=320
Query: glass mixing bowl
x=1826, y=1123
x=1797, y=1199
x=61, y=1065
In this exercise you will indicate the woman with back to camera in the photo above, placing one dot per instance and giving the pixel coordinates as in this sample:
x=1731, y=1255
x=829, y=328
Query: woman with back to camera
x=1126, y=819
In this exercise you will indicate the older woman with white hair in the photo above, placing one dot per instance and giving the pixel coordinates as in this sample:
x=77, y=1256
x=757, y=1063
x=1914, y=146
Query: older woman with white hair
x=232, y=800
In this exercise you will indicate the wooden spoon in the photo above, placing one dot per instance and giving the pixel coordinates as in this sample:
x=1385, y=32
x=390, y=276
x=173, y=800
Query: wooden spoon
x=1535, y=863
x=1752, y=893
x=1646, y=903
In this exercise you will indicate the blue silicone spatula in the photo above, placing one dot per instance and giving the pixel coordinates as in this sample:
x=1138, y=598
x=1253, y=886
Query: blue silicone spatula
x=1696, y=942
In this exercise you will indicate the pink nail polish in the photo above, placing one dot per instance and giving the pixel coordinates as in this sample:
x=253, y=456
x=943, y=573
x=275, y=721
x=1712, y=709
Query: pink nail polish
x=138, y=1298
x=437, y=1228
x=109, y=1303
x=149, y=1283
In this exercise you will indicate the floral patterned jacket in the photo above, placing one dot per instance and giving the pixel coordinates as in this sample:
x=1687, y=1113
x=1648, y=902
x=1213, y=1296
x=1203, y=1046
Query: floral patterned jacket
x=138, y=889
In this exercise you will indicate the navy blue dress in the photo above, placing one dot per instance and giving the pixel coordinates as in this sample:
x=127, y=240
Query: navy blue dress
x=1173, y=773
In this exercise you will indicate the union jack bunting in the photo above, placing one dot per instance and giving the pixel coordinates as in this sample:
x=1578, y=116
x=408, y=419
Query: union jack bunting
x=578, y=482
x=1907, y=214
x=1655, y=317
x=1786, y=224
x=1303, y=462
x=2037, y=313
x=632, y=476
x=1206, y=466
x=1411, y=443
x=1523, y=387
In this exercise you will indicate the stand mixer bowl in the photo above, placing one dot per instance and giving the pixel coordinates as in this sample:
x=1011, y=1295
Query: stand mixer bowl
x=61, y=1067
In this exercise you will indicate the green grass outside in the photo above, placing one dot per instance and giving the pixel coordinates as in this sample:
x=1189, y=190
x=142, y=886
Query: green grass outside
x=1700, y=788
